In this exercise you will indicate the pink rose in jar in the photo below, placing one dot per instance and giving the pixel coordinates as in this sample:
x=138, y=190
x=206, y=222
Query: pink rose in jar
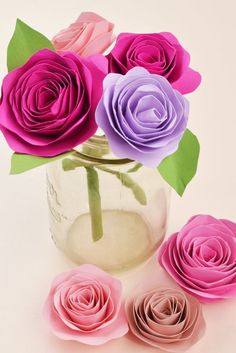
x=89, y=34
x=159, y=53
x=48, y=104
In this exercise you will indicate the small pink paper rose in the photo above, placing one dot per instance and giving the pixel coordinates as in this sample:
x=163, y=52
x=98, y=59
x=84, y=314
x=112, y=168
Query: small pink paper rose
x=201, y=258
x=89, y=34
x=166, y=319
x=85, y=305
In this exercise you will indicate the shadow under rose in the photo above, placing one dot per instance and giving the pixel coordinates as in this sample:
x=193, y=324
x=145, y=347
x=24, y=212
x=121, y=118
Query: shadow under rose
x=145, y=348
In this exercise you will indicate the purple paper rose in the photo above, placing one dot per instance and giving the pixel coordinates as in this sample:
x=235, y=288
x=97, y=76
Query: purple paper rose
x=48, y=104
x=201, y=258
x=159, y=53
x=142, y=116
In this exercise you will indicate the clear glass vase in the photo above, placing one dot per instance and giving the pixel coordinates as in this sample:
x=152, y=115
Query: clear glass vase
x=106, y=211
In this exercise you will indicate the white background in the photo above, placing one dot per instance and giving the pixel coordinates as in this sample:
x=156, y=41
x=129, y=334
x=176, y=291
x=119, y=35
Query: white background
x=28, y=259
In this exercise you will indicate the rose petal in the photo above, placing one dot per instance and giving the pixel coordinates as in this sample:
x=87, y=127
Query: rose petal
x=188, y=82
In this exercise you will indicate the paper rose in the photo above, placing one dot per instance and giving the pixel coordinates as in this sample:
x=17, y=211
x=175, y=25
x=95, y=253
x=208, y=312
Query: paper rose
x=142, y=116
x=48, y=104
x=159, y=53
x=166, y=319
x=85, y=305
x=201, y=258
x=89, y=34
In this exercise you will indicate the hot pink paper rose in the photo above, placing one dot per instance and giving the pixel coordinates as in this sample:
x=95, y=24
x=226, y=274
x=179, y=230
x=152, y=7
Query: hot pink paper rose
x=201, y=258
x=89, y=34
x=48, y=104
x=85, y=305
x=166, y=319
x=159, y=53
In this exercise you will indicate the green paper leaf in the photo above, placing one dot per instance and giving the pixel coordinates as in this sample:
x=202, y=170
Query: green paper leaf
x=21, y=163
x=24, y=42
x=180, y=167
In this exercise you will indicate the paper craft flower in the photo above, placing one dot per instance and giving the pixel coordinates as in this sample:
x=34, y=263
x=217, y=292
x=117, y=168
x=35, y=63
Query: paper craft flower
x=85, y=305
x=201, y=258
x=89, y=34
x=166, y=319
x=159, y=53
x=48, y=104
x=142, y=116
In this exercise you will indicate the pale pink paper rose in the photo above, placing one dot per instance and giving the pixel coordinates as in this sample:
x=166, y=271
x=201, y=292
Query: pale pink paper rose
x=201, y=258
x=85, y=305
x=89, y=34
x=166, y=319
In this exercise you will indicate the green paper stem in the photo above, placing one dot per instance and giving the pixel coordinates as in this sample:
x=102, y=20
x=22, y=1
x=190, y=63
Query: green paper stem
x=93, y=190
x=127, y=181
x=135, y=168
x=72, y=164
x=94, y=203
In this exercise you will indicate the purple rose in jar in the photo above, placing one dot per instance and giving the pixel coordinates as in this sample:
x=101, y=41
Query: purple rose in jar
x=143, y=117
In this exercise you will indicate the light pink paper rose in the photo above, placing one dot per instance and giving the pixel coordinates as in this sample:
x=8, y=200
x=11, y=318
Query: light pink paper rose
x=89, y=34
x=201, y=258
x=85, y=305
x=166, y=319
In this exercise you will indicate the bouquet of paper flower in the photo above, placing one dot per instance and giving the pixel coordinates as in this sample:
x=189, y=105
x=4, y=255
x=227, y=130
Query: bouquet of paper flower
x=57, y=93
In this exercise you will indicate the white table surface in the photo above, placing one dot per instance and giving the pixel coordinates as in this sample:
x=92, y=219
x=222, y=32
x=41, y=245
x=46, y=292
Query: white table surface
x=28, y=258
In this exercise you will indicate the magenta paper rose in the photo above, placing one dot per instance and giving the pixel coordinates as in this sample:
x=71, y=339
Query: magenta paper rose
x=85, y=305
x=48, y=104
x=201, y=258
x=89, y=34
x=143, y=117
x=159, y=53
x=166, y=319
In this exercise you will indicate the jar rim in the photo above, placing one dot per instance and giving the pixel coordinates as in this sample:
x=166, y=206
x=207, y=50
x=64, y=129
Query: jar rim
x=101, y=142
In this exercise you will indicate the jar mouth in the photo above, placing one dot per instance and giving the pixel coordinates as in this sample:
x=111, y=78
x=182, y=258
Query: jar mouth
x=97, y=150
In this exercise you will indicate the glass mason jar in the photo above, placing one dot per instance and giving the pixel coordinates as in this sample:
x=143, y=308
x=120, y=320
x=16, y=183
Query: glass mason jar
x=106, y=211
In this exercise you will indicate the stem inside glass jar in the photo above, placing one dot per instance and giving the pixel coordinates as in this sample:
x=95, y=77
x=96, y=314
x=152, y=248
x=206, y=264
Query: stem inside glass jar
x=92, y=159
x=94, y=203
